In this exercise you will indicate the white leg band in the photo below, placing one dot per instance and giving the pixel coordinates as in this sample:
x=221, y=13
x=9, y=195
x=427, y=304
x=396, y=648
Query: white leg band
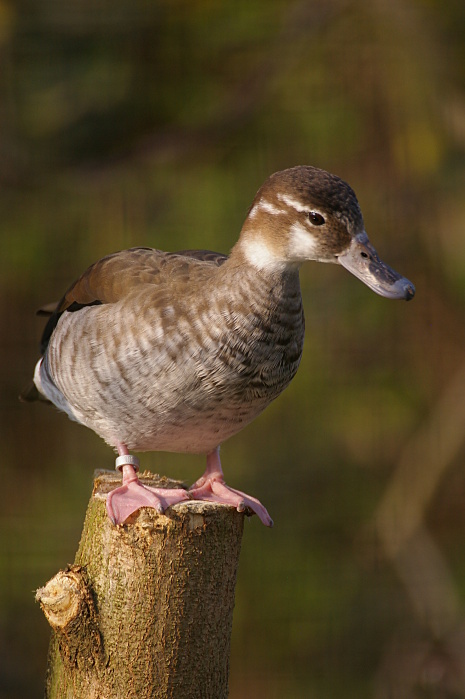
x=120, y=461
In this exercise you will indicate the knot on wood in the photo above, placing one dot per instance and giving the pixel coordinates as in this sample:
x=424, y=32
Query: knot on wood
x=63, y=597
x=68, y=605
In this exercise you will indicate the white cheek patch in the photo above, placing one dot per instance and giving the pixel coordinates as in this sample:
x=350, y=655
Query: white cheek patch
x=258, y=254
x=302, y=244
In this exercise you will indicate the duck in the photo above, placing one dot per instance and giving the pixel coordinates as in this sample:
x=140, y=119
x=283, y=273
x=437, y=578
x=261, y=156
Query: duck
x=179, y=351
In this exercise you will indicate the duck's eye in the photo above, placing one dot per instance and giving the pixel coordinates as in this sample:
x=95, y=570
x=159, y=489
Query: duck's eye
x=315, y=218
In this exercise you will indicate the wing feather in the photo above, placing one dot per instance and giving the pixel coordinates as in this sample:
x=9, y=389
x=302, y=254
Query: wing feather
x=112, y=277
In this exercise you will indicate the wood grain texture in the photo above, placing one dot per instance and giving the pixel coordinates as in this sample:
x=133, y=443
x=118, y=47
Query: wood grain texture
x=160, y=591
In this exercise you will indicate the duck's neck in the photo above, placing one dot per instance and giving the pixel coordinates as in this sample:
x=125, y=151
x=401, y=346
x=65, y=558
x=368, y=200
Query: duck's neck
x=264, y=251
x=266, y=287
x=263, y=314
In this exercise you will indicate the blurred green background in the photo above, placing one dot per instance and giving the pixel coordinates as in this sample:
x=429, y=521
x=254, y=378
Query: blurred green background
x=154, y=123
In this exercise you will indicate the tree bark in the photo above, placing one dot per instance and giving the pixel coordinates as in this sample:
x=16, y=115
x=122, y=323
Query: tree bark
x=146, y=609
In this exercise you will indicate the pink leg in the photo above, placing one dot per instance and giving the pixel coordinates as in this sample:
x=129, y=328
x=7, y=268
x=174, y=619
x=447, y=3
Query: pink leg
x=132, y=495
x=211, y=486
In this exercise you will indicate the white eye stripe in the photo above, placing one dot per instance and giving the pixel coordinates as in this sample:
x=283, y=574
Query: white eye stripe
x=302, y=245
x=297, y=205
x=265, y=205
x=268, y=206
x=292, y=202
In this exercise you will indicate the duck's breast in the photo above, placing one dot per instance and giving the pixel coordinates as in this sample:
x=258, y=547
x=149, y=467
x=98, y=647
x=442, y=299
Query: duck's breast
x=176, y=372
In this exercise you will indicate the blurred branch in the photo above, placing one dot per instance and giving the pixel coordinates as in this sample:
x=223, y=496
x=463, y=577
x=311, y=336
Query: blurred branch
x=417, y=559
x=422, y=464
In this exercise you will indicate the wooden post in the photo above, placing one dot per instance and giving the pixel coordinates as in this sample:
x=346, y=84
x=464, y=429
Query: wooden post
x=146, y=609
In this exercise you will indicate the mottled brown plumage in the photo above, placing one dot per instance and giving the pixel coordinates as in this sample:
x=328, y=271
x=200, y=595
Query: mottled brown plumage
x=179, y=351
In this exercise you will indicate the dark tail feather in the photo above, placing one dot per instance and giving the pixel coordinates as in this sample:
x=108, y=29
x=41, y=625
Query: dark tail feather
x=47, y=310
x=31, y=394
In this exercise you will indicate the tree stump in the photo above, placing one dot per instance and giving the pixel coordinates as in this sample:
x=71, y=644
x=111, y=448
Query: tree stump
x=146, y=609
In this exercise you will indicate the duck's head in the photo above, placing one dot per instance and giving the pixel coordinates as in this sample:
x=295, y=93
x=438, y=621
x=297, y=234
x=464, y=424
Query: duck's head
x=305, y=214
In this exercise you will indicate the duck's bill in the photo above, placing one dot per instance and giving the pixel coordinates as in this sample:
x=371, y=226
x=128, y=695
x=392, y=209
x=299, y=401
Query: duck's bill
x=361, y=259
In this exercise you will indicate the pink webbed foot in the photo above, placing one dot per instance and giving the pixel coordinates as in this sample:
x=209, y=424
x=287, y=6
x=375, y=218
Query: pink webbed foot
x=133, y=495
x=212, y=487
